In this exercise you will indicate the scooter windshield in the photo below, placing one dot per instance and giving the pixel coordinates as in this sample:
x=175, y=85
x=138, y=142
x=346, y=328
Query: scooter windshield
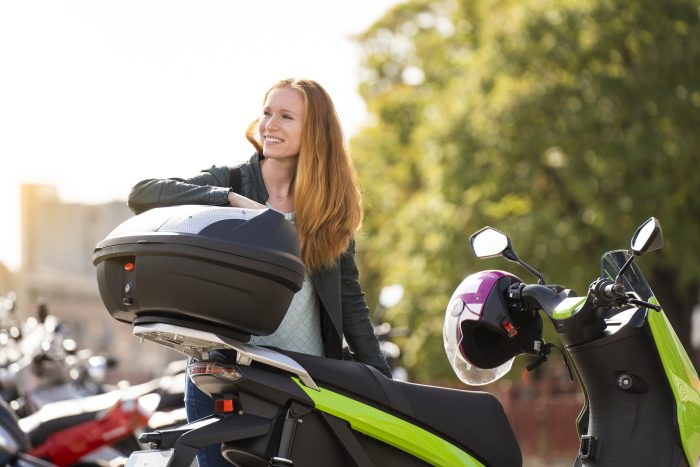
x=633, y=279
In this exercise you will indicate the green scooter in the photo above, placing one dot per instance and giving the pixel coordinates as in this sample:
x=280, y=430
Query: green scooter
x=280, y=408
x=642, y=405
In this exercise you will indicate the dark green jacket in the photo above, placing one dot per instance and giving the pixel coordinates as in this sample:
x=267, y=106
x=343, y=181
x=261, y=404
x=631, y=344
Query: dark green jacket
x=345, y=311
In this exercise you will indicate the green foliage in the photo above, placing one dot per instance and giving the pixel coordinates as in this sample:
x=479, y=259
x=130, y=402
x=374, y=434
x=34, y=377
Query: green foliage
x=563, y=123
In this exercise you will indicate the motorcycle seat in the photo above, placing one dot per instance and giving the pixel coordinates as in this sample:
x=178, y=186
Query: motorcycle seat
x=472, y=420
x=56, y=416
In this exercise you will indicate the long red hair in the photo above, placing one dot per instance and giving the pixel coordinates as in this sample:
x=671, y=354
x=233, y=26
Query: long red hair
x=327, y=198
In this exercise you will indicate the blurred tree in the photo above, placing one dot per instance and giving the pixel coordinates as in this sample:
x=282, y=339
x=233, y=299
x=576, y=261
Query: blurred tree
x=565, y=124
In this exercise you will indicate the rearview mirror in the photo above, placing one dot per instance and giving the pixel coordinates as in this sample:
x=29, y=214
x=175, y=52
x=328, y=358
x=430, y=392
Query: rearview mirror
x=489, y=242
x=648, y=237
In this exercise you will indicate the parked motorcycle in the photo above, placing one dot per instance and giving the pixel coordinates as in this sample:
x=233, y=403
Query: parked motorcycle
x=170, y=411
x=198, y=279
x=14, y=443
x=10, y=335
x=69, y=415
x=389, y=297
x=93, y=430
x=40, y=363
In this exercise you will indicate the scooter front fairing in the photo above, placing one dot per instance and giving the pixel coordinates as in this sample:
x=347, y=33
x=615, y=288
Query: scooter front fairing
x=679, y=370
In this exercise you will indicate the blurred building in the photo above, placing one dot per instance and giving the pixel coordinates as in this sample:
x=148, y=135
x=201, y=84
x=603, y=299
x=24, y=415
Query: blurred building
x=6, y=279
x=58, y=240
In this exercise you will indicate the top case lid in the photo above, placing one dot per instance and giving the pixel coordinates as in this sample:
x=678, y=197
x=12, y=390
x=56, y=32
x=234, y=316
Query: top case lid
x=261, y=234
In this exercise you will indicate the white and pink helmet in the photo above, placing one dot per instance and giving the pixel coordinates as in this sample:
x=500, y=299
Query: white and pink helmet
x=481, y=336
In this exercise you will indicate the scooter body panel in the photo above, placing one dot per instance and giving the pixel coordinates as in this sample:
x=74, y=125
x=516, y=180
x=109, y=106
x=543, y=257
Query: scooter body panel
x=327, y=440
x=683, y=380
x=389, y=429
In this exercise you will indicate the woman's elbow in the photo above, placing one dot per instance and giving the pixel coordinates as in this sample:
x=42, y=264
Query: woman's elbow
x=136, y=200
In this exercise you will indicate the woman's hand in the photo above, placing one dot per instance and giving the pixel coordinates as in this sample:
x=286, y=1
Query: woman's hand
x=240, y=201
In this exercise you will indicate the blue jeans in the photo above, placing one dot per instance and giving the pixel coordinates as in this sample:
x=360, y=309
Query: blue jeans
x=198, y=405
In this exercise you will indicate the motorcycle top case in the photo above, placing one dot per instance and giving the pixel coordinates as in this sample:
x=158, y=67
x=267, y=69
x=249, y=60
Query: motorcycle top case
x=224, y=268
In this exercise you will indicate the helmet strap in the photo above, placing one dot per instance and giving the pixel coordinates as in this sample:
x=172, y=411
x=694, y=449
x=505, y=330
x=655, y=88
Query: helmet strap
x=542, y=355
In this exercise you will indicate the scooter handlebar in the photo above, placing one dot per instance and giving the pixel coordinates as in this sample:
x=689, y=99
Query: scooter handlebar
x=535, y=296
x=614, y=290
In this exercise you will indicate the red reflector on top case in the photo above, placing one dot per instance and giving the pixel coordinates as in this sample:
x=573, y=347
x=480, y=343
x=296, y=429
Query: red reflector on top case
x=129, y=266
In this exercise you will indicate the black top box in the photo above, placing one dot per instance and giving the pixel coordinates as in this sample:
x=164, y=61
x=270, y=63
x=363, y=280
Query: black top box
x=216, y=268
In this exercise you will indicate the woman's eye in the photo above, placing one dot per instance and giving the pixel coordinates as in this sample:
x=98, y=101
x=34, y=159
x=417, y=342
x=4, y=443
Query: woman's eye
x=288, y=117
x=267, y=113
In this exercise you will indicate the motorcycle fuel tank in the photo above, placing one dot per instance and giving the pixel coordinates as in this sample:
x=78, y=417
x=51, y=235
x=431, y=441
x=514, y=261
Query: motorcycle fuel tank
x=235, y=270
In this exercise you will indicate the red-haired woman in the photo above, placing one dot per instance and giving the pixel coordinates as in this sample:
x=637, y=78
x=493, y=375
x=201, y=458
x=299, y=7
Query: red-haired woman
x=301, y=168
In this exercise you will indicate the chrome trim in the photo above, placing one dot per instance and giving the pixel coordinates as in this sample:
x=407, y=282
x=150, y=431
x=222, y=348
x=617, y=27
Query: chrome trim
x=194, y=342
x=249, y=352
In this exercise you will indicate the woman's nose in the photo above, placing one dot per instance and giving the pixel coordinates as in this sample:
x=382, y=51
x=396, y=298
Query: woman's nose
x=271, y=123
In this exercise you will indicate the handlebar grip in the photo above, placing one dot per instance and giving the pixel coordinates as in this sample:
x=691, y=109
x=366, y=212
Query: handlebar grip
x=541, y=296
x=614, y=290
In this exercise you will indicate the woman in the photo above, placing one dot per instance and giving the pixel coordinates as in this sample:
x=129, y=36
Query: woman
x=301, y=168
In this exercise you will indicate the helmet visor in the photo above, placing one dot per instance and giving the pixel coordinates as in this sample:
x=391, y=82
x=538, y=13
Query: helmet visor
x=475, y=376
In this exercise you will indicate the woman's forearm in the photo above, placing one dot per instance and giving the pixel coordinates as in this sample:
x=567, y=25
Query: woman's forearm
x=208, y=187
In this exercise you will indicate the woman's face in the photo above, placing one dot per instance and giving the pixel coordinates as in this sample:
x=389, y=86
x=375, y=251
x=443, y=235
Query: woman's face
x=281, y=123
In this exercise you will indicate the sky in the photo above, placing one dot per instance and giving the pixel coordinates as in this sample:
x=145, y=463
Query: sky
x=96, y=95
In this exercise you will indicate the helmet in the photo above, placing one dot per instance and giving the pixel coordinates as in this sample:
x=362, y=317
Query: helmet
x=481, y=336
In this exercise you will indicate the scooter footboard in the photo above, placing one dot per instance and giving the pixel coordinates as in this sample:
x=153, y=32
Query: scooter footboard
x=178, y=447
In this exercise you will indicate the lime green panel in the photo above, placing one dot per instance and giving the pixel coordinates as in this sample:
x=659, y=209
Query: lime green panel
x=566, y=308
x=389, y=429
x=683, y=379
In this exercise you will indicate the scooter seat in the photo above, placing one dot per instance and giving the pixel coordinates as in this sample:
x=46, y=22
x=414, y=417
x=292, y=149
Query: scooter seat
x=473, y=420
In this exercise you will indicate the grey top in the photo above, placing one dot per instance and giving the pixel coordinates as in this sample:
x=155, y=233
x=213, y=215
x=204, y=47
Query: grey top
x=300, y=330
x=342, y=301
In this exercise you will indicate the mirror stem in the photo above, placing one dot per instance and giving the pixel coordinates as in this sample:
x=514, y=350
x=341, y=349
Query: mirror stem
x=540, y=279
x=510, y=255
x=624, y=268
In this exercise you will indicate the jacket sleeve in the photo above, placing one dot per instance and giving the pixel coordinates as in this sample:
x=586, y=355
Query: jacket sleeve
x=210, y=186
x=357, y=327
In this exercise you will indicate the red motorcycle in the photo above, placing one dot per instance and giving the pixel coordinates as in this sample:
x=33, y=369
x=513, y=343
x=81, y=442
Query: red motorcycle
x=64, y=421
